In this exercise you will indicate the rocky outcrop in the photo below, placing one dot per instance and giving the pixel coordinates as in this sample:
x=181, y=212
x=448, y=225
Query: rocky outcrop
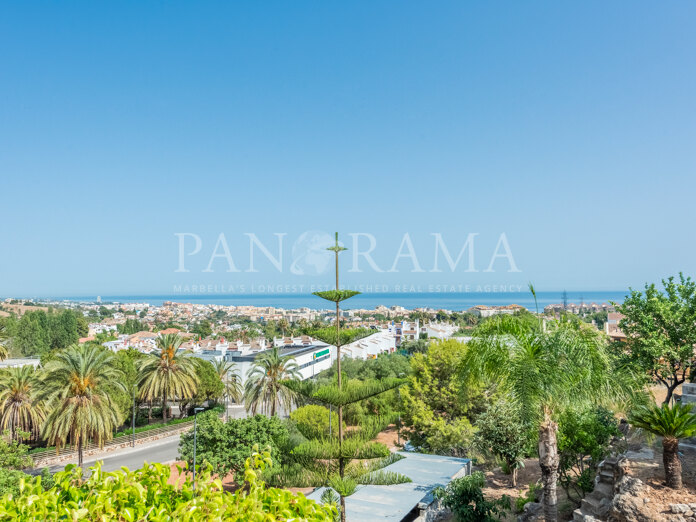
x=533, y=512
x=631, y=505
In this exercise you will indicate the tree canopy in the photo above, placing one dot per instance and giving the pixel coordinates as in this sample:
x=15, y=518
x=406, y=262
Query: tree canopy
x=660, y=326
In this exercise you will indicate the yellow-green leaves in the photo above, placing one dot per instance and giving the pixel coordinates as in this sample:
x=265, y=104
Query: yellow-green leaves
x=145, y=494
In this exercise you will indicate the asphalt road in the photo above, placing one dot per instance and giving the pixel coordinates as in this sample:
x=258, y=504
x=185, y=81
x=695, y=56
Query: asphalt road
x=133, y=459
x=159, y=451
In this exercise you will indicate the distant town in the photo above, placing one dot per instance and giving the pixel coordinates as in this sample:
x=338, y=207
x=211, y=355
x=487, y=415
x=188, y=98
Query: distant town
x=239, y=334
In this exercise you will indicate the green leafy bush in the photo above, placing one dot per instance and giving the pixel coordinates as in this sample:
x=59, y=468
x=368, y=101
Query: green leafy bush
x=464, y=497
x=313, y=421
x=584, y=439
x=501, y=432
x=9, y=480
x=14, y=454
x=436, y=401
x=145, y=494
x=227, y=445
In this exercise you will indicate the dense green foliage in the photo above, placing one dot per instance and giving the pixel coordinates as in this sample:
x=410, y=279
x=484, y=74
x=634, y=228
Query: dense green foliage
x=436, y=401
x=500, y=431
x=661, y=331
x=354, y=371
x=145, y=494
x=464, y=497
x=315, y=422
x=37, y=333
x=584, y=439
x=132, y=326
x=226, y=445
x=203, y=328
x=209, y=387
x=13, y=454
x=543, y=369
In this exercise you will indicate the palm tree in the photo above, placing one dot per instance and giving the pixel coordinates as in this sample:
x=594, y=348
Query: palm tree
x=168, y=373
x=227, y=371
x=283, y=325
x=20, y=406
x=670, y=423
x=77, y=385
x=264, y=389
x=543, y=372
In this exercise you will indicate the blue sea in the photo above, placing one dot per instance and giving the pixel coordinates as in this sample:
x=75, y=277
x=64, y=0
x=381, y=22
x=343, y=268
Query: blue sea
x=456, y=301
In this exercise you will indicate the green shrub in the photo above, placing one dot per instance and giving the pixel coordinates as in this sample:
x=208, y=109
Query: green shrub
x=145, y=494
x=584, y=439
x=501, y=432
x=9, y=480
x=227, y=445
x=313, y=421
x=47, y=480
x=464, y=497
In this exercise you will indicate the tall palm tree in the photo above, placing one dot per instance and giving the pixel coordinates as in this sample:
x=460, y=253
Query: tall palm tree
x=670, y=423
x=283, y=325
x=227, y=371
x=77, y=385
x=169, y=373
x=21, y=409
x=264, y=390
x=544, y=370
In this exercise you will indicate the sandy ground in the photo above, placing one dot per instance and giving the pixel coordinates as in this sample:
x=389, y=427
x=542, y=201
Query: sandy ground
x=652, y=473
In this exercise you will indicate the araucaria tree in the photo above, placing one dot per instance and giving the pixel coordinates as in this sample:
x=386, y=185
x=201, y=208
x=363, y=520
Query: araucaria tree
x=541, y=371
x=670, y=423
x=264, y=391
x=77, y=386
x=345, y=461
x=660, y=326
x=168, y=373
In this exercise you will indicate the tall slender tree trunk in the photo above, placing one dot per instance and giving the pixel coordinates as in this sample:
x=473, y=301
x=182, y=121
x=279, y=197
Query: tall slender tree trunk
x=149, y=411
x=79, y=452
x=670, y=459
x=164, y=407
x=343, y=508
x=548, y=461
x=513, y=471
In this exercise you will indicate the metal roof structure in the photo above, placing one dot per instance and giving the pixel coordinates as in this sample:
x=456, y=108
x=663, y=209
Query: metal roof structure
x=380, y=503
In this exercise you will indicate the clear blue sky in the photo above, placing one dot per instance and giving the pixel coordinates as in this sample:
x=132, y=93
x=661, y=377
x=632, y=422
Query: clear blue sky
x=570, y=127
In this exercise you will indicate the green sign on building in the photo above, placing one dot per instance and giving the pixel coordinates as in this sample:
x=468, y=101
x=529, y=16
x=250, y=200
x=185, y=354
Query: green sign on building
x=321, y=353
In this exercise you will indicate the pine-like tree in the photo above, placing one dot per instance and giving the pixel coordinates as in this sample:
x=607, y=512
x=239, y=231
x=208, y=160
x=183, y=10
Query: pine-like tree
x=345, y=461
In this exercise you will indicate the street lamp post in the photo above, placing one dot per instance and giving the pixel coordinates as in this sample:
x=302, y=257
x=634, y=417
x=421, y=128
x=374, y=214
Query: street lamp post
x=195, y=429
x=133, y=443
x=398, y=427
x=227, y=397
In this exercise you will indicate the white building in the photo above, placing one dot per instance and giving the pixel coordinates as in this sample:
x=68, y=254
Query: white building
x=370, y=347
x=311, y=359
x=440, y=330
x=18, y=363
